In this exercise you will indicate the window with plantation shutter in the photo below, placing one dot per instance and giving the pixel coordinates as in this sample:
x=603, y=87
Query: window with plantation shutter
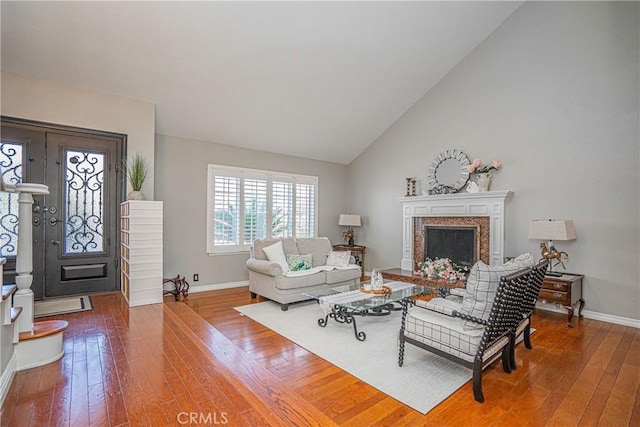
x=255, y=209
x=226, y=210
x=282, y=209
x=305, y=210
x=247, y=204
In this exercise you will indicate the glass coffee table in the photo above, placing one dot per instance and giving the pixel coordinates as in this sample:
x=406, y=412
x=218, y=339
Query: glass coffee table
x=342, y=303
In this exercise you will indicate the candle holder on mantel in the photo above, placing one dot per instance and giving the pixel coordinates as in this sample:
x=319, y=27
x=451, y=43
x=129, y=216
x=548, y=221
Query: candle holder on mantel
x=411, y=187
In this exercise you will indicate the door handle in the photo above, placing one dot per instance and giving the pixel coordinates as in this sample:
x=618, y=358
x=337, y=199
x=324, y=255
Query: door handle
x=53, y=220
x=55, y=242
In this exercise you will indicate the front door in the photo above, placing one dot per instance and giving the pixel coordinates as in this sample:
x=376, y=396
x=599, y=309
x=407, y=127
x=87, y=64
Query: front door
x=75, y=226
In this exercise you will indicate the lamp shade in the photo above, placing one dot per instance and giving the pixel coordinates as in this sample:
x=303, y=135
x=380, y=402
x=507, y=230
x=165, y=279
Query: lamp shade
x=552, y=229
x=349, y=220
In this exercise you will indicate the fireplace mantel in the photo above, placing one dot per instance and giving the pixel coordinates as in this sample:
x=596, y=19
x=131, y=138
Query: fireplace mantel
x=489, y=203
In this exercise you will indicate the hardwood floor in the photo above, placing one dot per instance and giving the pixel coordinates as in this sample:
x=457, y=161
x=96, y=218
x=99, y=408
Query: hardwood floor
x=201, y=363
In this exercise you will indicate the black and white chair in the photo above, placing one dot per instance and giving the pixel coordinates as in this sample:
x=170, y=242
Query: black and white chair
x=476, y=298
x=469, y=340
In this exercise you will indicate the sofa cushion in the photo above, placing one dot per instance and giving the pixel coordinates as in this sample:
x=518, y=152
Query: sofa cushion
x=342, y=275
x=319, y=247
x=482, y=285
x=299, y=262
x=339, y=258
x=295, y=282
x=288, y=245
x=275, y=253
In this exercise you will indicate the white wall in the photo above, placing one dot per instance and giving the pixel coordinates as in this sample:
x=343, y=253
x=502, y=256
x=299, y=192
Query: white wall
x=552, y=93
x=44, y=101
x=181, y=182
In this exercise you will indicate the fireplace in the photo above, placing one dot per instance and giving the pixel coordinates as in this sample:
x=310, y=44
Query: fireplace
x=462, y=239
x=458, y=243
x=483, y=212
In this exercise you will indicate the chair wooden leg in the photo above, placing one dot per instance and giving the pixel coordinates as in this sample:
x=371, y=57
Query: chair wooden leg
x=477, y=381
x=508, y=357
x=527, y=335
x=512, y=353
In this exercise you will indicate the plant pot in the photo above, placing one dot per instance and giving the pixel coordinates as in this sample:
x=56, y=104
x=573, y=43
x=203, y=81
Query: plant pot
x=136, y=195
x=483, y=180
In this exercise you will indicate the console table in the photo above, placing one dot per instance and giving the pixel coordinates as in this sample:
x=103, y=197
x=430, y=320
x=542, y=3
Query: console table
x=358, y=253
x=564, y=291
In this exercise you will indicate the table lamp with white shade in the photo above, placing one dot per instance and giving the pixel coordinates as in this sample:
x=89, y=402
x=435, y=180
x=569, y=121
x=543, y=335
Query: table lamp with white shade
x=349, y=220
x=550, y=230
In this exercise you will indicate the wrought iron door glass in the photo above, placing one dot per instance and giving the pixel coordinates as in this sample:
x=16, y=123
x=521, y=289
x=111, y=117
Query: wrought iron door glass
x=11, y=166
x=84, y=199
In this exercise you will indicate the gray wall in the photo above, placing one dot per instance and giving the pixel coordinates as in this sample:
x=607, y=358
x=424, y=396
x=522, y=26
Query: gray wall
x=552, y=93
x=181, y=182
x=45, y=101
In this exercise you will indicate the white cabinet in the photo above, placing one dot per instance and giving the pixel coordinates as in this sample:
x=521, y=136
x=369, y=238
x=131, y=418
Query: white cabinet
x=141, y=251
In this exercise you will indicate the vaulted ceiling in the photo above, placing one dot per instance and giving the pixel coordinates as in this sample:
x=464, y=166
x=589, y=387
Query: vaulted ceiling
x=320, y=80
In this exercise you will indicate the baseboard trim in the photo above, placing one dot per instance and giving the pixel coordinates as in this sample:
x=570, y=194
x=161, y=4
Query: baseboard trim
x=610, y=318
x=594, y=315
x=217, y=286
x=7, y=377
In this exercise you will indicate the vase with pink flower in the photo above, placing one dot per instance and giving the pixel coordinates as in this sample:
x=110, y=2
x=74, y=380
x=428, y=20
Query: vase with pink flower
x=482, y=172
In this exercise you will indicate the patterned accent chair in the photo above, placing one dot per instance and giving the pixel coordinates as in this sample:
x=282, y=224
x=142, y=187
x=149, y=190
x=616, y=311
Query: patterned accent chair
x=474, y=347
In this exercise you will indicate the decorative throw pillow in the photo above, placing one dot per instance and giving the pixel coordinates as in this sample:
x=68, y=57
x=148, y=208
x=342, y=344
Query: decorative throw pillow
x=339, y=258
x=481, y=288
x=275, y=253
x=524, y=260
x=300, y=262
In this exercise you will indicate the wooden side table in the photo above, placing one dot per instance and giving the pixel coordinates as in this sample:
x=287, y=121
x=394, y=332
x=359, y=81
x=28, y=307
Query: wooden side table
x=564, y=291
x=358, y=253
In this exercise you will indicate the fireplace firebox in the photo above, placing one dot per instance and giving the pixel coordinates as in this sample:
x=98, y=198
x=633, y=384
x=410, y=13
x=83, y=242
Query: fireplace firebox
x=458, y=243
x=451, y=235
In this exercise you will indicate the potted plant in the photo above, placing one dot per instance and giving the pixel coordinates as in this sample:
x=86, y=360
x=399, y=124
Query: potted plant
x=137, y=172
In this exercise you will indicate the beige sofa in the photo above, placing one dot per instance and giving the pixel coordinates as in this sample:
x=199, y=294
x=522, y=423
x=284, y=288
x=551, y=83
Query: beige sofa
x=267, y=279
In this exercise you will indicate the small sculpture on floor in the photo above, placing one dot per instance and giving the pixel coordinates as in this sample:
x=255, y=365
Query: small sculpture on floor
x=180, y=287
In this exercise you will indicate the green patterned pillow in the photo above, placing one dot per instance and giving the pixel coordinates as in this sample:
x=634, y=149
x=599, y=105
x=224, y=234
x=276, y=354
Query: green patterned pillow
x=299, y=262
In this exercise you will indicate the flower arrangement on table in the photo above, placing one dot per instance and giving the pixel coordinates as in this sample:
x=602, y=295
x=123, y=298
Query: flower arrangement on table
x=442, y=268
x=477, y=167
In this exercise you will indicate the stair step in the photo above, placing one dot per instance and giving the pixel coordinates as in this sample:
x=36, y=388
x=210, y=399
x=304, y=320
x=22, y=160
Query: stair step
x=44, y=328
x=8, y=290
x=15, y=312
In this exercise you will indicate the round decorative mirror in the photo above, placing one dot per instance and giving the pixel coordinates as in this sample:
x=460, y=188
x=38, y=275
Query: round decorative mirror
x=448, y=172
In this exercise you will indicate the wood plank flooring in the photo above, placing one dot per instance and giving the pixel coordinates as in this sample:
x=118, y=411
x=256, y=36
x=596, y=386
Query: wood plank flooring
x=201, y=363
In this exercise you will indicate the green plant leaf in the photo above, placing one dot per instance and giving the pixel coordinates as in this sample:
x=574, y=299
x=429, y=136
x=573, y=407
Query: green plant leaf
x=137, y=171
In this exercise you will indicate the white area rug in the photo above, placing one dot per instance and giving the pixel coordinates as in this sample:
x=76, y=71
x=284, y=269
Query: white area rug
x=422, y=383
x=52, y=307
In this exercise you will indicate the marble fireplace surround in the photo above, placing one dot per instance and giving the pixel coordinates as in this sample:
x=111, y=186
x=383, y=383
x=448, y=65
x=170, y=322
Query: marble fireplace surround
x=482, y=238
x=446, y=209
